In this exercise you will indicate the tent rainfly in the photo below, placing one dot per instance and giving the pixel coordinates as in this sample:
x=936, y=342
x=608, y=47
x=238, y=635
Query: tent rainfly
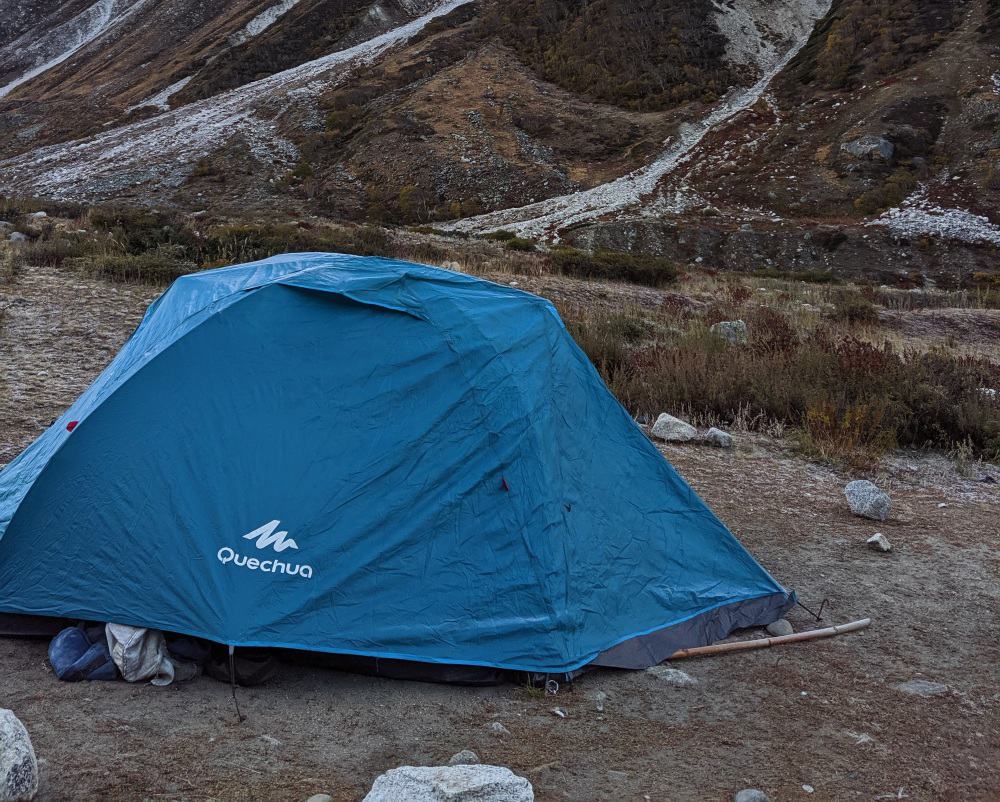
x=369, y=457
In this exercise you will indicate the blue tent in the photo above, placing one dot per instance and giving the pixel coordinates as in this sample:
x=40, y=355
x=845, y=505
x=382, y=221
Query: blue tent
x=369, y=457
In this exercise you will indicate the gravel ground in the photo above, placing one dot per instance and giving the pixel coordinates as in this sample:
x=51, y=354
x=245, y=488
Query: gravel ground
x=827, y=714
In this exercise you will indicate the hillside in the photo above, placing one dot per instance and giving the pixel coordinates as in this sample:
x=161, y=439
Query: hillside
x=607, y=123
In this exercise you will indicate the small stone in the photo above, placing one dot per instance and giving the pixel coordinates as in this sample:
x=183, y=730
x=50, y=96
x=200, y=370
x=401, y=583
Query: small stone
x=320, y=798
x=38, y=215
x=18, y=765
x=718, y=438
x=673, y=430
x=808, y=788
x=498, y=729
x=17, y=236
x=879, y=542
x=780, y=628
x=599, y=699
x=751, y=795
x=922, y=687
x=558, y=711
x=464, y=758
x=441, y=783
x=732, y=331
x=672, y=675
x=866, y=500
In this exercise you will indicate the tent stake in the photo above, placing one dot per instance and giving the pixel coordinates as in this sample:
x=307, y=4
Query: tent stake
x=764, y=643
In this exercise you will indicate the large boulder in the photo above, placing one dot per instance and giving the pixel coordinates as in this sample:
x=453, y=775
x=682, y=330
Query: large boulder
x=673, y=430
x=732, y=331
x=450, y=784
x=18, y=766
x=718, y=438
x=866, y=500
x=870, y=147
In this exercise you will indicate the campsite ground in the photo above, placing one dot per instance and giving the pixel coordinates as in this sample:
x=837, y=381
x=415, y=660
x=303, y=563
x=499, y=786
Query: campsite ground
x=827, y=714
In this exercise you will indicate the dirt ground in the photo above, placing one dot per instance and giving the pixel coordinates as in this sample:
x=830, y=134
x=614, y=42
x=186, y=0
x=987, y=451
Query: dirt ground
x=827, y=714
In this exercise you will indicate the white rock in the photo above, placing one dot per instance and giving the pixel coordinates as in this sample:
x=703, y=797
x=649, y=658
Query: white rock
x=672, y=675
x=450, y=784
x=498, y=729
x=808, y=788
x=779, y=628
x=867, y=500
x=719, y=438
x=38, y=215
x=599, y=699
x=922, y=687
x=673, y=430
x=17, y=236
x=464, y=758
x=879, y=542
x=18, y=766
x=320, y=798
x=558, y=711
x=751, y=795
x=732, y=331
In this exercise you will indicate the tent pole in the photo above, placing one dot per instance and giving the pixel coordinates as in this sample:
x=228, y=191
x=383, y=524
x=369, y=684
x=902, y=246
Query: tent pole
x=764, y=643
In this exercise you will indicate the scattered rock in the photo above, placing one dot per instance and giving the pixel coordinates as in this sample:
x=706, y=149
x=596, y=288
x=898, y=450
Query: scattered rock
x=751, y=795
x=464, y=758
x=672, y=675
x=871, y=147
x=450, y=784
x=879, y=542
x=558, y=711
x=599, y=699
x=5, y=224
x=732, y=331
x=779, y=628
x=18, y=766
x=922, y=687
x=17, y=236
x=808, y=788
x=38, y=215
x=498, y=729
x=320, y=798
x=673, y=430
x=867, y=500
x=720, y=439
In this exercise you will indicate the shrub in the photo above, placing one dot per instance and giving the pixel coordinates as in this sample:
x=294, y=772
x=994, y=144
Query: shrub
x=154, y=268
x=852, y=307
x=651, y=271
x=520, y=244
x=849, y=399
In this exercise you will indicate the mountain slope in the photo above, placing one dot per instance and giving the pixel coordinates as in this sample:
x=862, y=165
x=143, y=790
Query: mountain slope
x=612, y=123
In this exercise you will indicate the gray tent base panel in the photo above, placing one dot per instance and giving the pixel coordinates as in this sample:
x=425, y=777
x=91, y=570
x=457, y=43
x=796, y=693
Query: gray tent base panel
x=636, y=653
x=702, y=630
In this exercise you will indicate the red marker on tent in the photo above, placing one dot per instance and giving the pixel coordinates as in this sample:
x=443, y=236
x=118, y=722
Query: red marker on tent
x=71, y=425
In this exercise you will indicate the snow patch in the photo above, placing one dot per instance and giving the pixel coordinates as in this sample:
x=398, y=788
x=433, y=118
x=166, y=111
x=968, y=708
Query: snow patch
x=918, y=216
x=161, y=100
x=262, y=22
x=57, y=45
x=545, y=218
x=162, y=149
x=758, y=31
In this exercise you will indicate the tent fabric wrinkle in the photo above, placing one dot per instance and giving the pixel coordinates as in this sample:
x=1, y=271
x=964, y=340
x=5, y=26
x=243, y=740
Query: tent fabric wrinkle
x=372, y=458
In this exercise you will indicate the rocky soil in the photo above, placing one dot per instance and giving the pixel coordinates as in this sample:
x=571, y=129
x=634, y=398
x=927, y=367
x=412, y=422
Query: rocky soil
x=845, y=716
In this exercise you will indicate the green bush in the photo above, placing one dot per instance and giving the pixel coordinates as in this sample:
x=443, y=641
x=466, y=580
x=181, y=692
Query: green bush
x=651, y=271
x=520, y=244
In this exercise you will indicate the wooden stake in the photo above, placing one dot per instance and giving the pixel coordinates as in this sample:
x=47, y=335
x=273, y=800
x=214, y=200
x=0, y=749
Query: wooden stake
x=765, y=643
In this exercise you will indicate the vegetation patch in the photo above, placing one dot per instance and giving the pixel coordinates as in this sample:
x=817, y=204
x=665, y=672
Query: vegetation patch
x=652, y=271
